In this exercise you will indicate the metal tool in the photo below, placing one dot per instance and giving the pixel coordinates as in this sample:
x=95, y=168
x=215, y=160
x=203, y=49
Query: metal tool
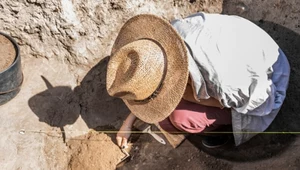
x=125, y=159
x=155, y=136
x=126, y=155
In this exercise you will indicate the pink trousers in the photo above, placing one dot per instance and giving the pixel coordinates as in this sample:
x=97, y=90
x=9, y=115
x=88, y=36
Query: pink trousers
x=195, y=118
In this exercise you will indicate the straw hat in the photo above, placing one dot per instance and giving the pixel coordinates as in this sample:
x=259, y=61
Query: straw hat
x=148, y=67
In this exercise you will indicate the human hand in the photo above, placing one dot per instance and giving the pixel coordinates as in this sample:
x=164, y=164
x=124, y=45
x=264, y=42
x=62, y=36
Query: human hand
x=125, y=131
x=123, y=135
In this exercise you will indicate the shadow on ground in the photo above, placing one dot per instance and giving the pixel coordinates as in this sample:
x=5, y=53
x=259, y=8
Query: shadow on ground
x=97, y=107
x=61, y=106
x=56, y=106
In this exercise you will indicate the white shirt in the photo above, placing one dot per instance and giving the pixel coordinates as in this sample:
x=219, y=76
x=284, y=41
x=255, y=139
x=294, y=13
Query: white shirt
x=239, y=64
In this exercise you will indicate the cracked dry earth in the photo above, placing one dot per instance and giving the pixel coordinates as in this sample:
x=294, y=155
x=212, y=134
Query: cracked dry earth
x=63, y=117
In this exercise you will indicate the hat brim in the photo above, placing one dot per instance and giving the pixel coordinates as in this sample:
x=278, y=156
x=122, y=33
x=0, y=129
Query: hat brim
x=148, y=26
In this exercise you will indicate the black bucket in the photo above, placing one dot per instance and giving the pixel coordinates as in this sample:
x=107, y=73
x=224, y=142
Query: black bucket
x=11, y=78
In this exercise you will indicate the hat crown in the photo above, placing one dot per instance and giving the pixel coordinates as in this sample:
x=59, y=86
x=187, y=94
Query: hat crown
x=136, y=70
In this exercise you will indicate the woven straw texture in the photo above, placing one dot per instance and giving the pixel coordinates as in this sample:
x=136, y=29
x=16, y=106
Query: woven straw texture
x=131, y=86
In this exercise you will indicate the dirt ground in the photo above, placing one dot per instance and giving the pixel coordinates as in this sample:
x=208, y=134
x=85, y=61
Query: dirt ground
x=63, y=117
x=93, y=151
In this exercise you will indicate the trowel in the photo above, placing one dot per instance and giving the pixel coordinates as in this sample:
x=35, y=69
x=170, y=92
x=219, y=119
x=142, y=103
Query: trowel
x=146, y=128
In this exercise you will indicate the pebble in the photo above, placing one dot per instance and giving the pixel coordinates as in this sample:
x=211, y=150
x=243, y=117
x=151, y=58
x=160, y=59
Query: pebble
x=241, y=8
x=22, y=131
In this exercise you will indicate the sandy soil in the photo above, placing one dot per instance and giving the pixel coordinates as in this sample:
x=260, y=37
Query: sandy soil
x=93, y=151
x=7, y=52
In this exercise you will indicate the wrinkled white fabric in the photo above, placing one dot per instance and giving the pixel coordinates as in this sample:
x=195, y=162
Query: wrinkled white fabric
x=236, y=62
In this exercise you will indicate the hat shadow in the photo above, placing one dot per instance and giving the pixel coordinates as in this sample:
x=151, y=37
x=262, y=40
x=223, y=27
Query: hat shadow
x=98, y=108
x=56, y=106
x=281, y=132
x=60, y=106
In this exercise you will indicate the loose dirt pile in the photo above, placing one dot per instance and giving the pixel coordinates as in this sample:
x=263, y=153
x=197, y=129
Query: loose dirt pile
x=7, y=53
x=93, y=151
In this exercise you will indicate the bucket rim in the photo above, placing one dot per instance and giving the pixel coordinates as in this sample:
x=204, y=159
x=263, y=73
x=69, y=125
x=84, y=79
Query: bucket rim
x=17, y=49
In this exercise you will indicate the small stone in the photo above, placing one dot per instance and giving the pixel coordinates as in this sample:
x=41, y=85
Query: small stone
x=241, y=8
x=22, y=131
